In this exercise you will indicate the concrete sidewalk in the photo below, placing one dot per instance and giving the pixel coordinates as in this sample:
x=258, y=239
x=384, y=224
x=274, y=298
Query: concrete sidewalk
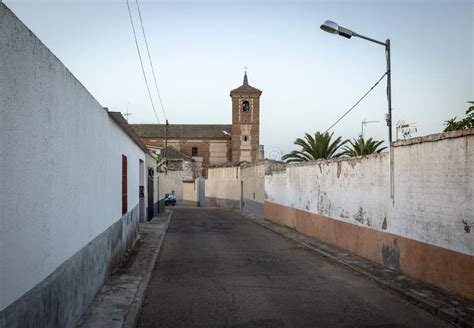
x=446, y=306
x=119, y=301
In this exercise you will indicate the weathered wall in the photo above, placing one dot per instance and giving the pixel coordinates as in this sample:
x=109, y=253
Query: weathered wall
x=60, y=189
x=424, y=232
x=190, y=192
x=434, y=190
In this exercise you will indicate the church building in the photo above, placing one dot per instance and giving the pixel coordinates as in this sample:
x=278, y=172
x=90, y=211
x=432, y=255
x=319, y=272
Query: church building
x=213, y=144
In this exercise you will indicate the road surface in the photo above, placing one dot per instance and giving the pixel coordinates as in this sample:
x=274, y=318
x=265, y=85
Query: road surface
x=217, y=269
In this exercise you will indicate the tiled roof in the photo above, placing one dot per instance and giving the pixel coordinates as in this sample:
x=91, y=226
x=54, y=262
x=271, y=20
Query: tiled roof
x=123, y=124
x=173, y=153
x=183, y=130
x=246, y=87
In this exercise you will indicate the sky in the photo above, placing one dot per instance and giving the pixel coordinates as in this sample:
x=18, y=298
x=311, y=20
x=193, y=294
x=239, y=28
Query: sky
x=309, y=78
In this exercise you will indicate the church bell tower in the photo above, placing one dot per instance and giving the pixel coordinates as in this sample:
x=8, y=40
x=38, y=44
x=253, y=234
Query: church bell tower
x=245, y=122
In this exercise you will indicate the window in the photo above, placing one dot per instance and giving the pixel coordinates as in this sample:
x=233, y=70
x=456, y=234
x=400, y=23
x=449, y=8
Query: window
x=124, y=185
x=245, y=138
x=245, y=106
x=194, y=151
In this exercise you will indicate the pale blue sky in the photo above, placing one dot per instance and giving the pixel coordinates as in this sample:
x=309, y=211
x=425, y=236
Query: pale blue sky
x=308, y=77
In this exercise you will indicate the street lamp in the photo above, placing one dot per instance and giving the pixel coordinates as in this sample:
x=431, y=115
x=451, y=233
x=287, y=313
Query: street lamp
x=334, y=28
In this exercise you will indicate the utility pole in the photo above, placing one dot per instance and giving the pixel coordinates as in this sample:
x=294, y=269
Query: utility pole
x=334, y=28
x=166, y=140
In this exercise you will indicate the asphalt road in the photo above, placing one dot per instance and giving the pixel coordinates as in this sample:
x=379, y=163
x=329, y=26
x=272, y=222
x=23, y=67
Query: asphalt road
x=217, y=269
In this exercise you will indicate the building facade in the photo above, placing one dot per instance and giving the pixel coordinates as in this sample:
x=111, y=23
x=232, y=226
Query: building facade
x=214, y=144
x=72, y=185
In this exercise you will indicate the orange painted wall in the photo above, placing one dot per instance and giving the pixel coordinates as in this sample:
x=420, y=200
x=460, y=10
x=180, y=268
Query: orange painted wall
x=438, y=266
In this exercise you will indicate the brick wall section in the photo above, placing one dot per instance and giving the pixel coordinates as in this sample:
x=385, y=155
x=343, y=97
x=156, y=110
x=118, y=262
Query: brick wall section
x=185, y=145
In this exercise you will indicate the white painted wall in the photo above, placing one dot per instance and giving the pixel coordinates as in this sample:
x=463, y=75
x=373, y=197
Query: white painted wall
x=190, y=191
x=60, y=162
x=434, y=190
x=174, y=182
x=338, y=189
x=223, y=183
x=253, y=177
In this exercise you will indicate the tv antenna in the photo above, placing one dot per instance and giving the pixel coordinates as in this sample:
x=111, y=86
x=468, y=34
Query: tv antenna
x=364, y=124
x=406, y=129
x=127, y=114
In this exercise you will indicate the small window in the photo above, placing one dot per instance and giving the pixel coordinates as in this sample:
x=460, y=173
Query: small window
x=124, y=185
x=194, y=151
x=245, y=138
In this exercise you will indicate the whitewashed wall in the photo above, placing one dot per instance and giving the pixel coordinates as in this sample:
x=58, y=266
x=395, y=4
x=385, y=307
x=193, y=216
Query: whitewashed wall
x=434, y=190
x=60, y=162
x=174, y=182
x=223, y=183
x=253, y=177
x=351, y=190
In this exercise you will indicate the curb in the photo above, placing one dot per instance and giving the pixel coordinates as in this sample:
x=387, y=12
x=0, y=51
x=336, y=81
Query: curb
x=425, y=303
x=132, y=316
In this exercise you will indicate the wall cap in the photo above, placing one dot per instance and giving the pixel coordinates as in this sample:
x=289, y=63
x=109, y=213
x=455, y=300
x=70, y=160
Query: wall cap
x=434, y=137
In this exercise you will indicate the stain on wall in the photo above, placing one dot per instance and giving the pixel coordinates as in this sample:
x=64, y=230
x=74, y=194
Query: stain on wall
x=467, y=226
x=391, y=256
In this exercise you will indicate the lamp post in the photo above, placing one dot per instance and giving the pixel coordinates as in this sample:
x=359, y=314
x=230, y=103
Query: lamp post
x=334, y=28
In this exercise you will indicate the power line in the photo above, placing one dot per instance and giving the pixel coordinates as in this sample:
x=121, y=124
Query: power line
x=151, y=63
x=358, y=101
x=141, y=62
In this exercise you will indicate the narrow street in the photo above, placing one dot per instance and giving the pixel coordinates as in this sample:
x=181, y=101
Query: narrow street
x=217, y=269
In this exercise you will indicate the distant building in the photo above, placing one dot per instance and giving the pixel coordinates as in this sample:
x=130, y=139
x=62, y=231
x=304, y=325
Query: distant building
x=214, y=144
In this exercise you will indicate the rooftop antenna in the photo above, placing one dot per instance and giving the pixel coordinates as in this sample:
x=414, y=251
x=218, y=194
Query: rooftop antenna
x=127, y=114
x=406, y=129
x=363, y=124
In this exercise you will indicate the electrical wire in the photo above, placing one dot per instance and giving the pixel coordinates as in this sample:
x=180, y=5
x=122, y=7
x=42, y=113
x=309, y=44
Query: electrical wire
x=151, y=63
x=358, y=101
x=141, y=63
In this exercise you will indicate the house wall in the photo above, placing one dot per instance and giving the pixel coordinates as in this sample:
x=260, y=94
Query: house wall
x=212, y=151
x=425, y=231
x=159, y=186
x=62, y=227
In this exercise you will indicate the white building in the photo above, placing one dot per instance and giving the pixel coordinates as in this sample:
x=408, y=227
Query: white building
x=70, y=172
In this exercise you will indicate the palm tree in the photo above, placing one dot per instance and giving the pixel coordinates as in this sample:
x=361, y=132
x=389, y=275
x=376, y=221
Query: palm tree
x=361, y=147
x=319, y=146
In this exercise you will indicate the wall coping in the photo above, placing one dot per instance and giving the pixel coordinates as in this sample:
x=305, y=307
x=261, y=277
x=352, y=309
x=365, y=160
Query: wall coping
x=434, y=137
x=336, y=160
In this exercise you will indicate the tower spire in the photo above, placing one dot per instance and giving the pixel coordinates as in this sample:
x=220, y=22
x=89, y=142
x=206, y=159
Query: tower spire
x=246, y=81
